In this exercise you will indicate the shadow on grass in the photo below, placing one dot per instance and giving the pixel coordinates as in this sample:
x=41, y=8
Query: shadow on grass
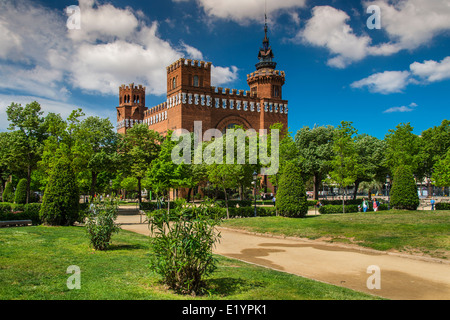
x=229, y=286
x=123, y=246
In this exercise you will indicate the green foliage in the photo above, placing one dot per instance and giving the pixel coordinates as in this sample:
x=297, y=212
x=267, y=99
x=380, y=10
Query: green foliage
x=8, y=193
x=291, y=200
x=441, y=174
x=100, y=222
x=442, y=206
x=60, y=205
x=330, y=208
x=182, y=242
x=11, y=211
x=404, y=190
x=20, y=196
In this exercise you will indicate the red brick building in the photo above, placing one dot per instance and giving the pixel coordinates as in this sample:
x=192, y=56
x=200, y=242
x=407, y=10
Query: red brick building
x=190, y=97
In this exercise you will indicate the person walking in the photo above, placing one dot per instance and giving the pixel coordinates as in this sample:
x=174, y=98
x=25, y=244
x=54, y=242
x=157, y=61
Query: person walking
x=375, y=205
x=432, y=202
x=365, y=205
x=273, y=200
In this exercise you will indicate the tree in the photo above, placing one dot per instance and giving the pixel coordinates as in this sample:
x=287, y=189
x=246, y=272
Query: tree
x=315, y=147
x=404, y=148
x=345, y=162
x=139, y=147
x=404, y=190
x=291, y=200
x=441, y=174
x=26, y=150
x=372, y=167
x=20, y=196
x=60, y=205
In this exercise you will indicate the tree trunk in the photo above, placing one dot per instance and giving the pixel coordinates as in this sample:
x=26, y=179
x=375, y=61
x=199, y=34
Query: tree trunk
x=28, y=183
x=139, y=192
x=189, y=195
x=316, y=186
x=93, y=184
x=343, y=200
x=355, y=192
x=226, y=202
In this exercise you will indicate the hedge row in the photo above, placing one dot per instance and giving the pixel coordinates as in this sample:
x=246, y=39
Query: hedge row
x=241, y=212
x=13, y=211
x=348, y=208
x=442, y=206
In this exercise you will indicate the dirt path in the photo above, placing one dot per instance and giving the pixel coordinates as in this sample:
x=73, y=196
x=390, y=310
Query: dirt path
x=401, y=277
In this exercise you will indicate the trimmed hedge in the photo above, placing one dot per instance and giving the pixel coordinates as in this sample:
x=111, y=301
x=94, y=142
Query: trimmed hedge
x=11, y=211
x=20, y=196
x=8, y=193
x=291, y=198
x=442, y=206
x=241, y=212
x=404, y=190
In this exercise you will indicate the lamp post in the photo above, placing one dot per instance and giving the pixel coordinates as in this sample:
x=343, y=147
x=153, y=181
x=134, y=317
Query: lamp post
x=255, y=176
x=388, y=184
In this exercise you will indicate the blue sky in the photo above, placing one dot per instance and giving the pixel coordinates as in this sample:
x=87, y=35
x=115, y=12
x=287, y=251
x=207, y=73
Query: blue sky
x=336, y=67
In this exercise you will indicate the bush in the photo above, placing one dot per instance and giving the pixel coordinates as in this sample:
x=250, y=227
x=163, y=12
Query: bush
x=442, y=206
x=100, y=222
x=291, y=200
x=60, y=205
x=404, y=190
x=8, y=193
x=10, y=211
x=349, y=208
x=182, y=243
x=20, y=197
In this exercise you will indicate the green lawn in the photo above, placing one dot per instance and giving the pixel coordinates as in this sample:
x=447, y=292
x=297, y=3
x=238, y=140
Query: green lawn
x=423, y=232
x=34, y=260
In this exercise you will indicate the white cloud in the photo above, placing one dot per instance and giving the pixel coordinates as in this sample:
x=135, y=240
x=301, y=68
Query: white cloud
x=431, y=70
x=412, y=23
x=113, y=46
x=408, y=108
x=385, y=82
x=244, y=12
x=328, y=28
x=221, y=75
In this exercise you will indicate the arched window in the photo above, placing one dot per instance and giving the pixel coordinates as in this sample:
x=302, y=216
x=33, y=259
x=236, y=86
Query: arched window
x=174, y=83
x=195, y=81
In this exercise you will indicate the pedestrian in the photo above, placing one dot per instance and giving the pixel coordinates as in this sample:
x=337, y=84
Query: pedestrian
x=365, y=205
x=433, y=202
x=375, y=205
x=359, y=208
x=273, y=201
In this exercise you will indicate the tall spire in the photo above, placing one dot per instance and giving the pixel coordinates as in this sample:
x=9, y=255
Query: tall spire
x=265, y=54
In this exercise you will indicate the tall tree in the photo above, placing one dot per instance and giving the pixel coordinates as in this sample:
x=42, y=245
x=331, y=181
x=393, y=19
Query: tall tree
x=315, y=147
x=404, y=148
x=28, y=134
x=139, y=147
x=345, y=162
x=435, y=145
x=441, y=174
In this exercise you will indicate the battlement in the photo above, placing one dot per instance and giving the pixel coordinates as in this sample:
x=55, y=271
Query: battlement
x=132, y=87
x=232, y=92
x=189, y=63
x=266, y=72
x=160, y=107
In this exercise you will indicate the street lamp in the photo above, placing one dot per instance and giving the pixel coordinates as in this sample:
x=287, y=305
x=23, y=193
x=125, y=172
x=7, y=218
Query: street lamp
x=255, y=176
x=388, y=184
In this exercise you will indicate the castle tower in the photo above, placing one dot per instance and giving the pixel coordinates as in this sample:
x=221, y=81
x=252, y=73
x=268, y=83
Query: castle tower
x=131, y=107
x=192, y=75
x=266, y=82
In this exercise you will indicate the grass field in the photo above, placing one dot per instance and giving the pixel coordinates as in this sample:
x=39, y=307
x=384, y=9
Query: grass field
x=34, y=260
x=418, y=232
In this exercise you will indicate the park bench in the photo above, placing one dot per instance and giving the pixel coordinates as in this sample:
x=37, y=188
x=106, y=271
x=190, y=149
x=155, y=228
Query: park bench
x=14, y=223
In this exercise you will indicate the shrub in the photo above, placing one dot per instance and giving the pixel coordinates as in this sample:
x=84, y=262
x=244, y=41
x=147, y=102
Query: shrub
x=182, y=243
x=8, y=193
x=100, y=222
x=10, y=211
x=291, y=200
x=404, y=190
x=60, y=205
x=20, y=197
x=442, y=206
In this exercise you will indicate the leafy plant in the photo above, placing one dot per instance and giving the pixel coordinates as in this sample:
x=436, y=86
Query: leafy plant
x=182, y=242
x=100, y=222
